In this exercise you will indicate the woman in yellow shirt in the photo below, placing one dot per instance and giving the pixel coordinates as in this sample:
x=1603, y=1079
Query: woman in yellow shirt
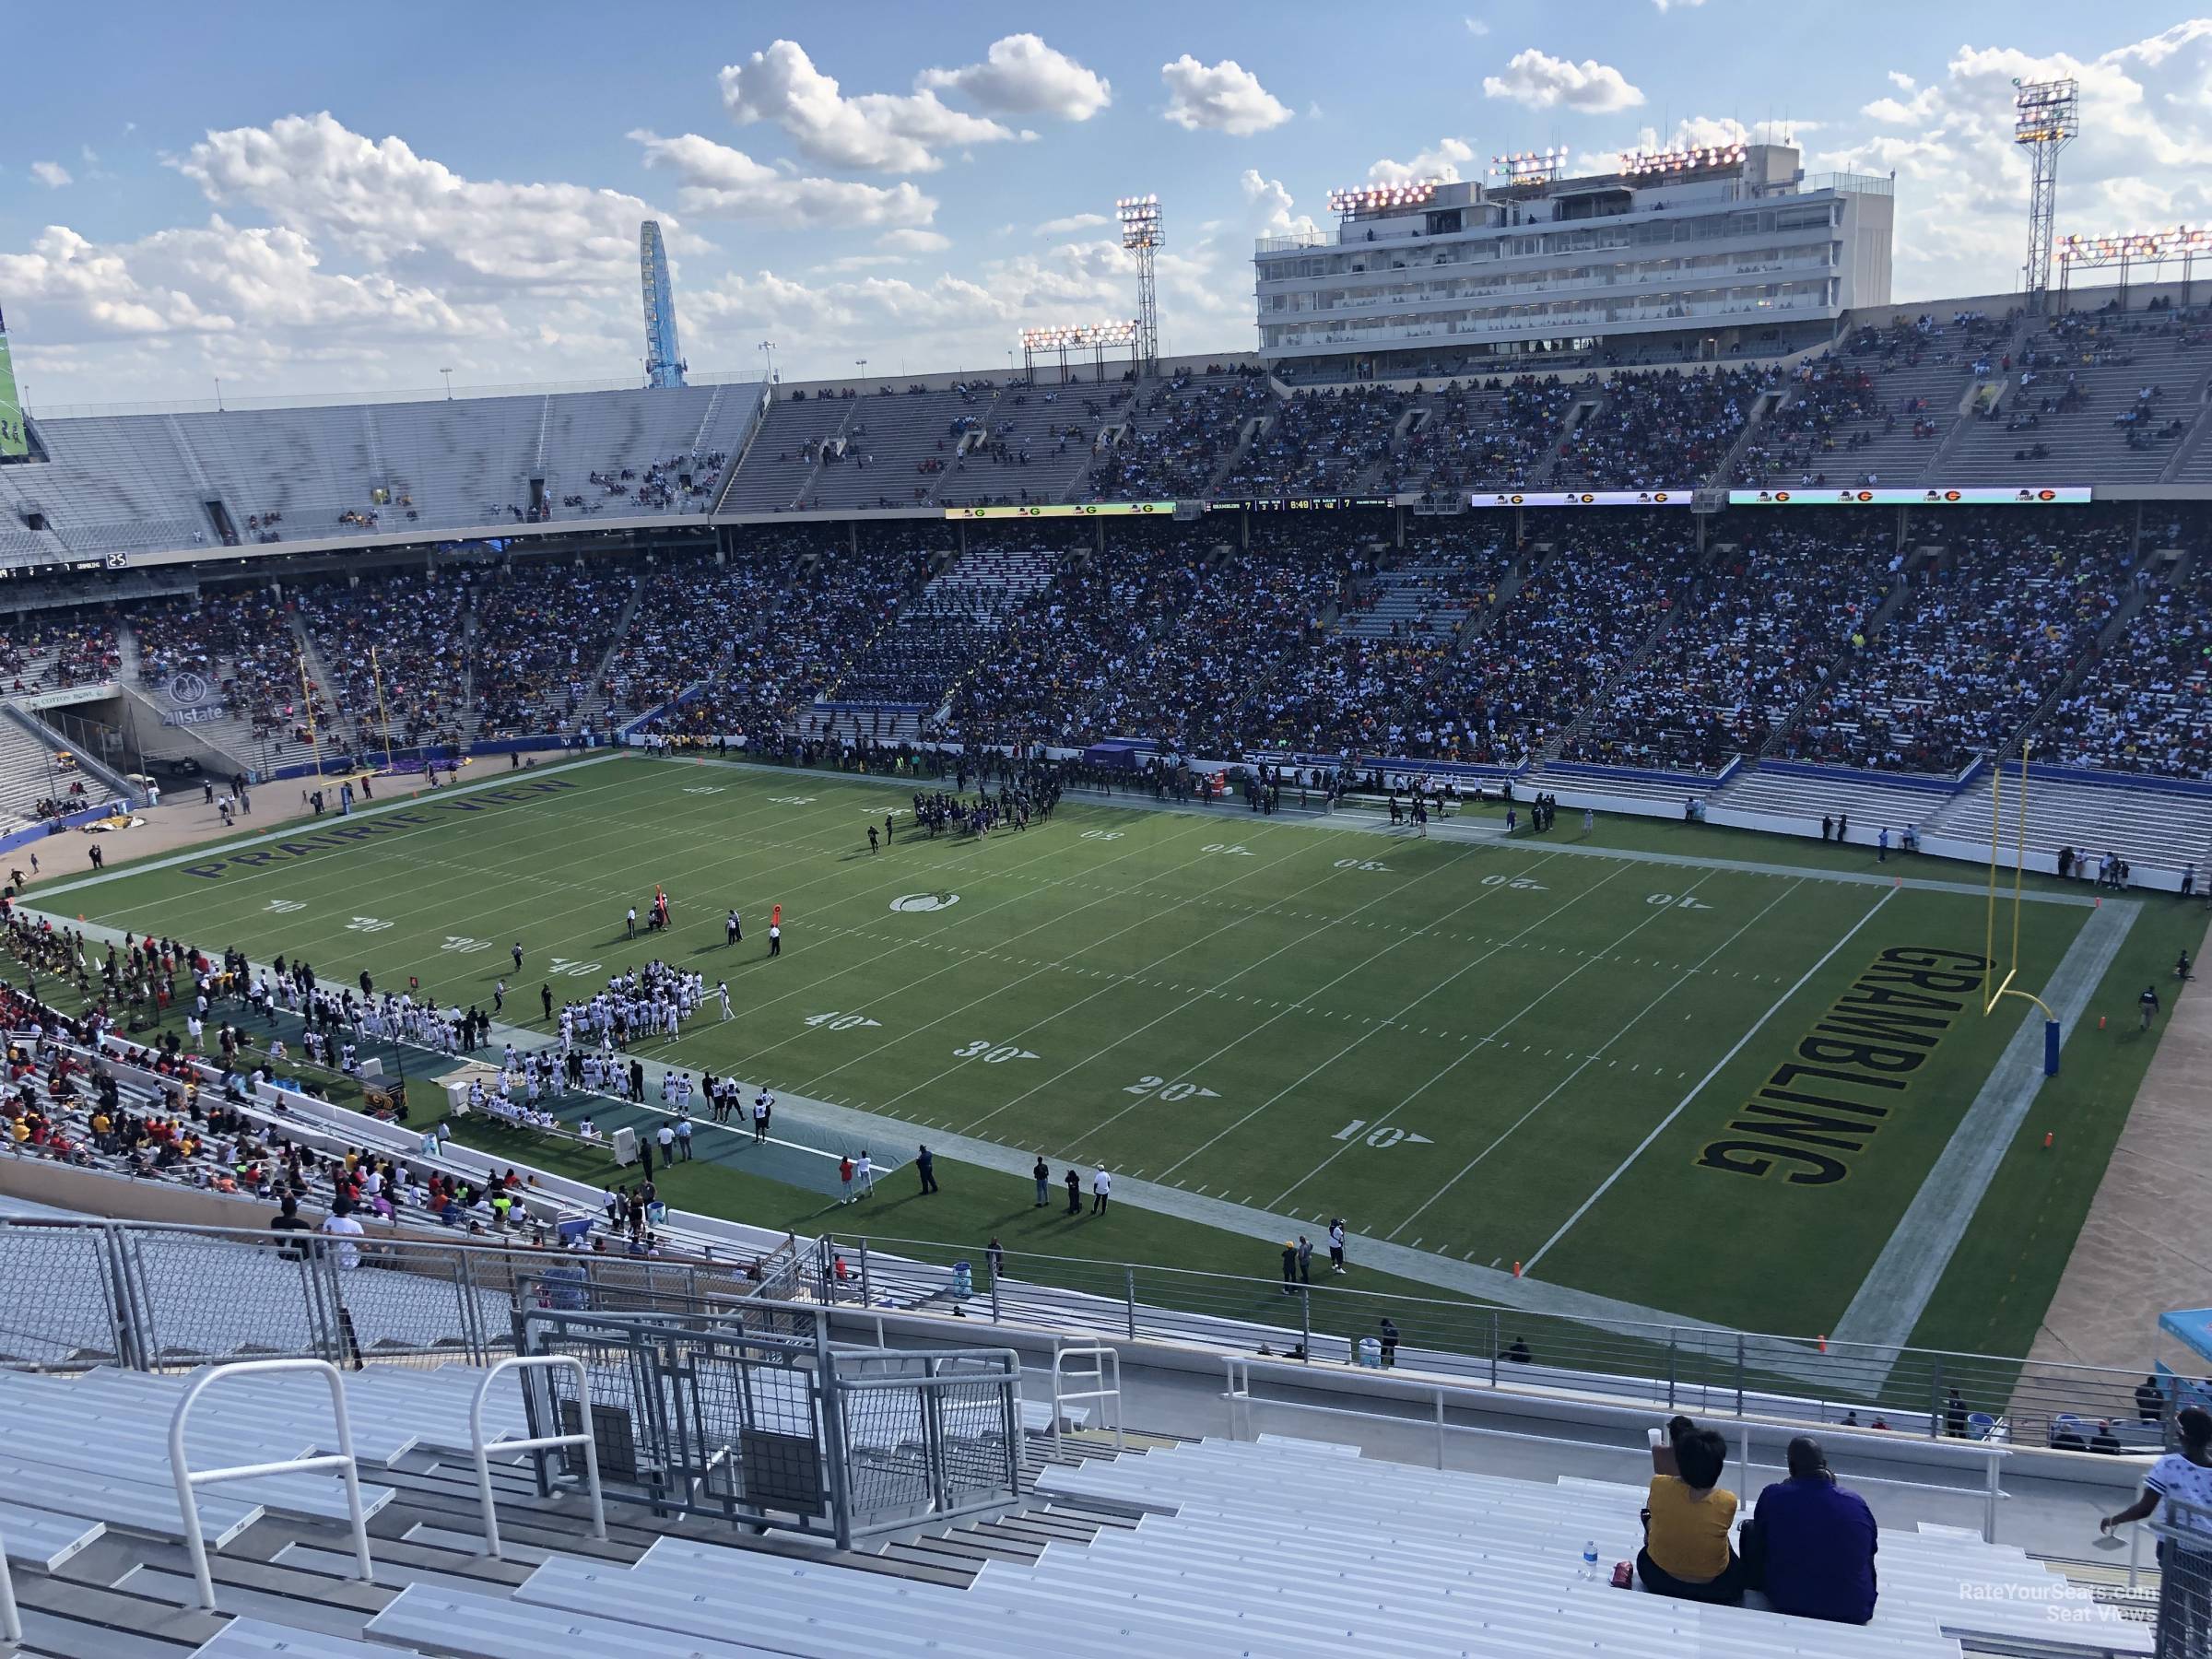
x=1686, y=1519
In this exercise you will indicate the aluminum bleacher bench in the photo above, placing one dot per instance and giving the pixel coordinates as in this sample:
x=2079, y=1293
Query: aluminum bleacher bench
x=259, y=1639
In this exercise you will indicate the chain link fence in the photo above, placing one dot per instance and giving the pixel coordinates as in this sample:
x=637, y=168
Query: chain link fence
x=2184, y=1536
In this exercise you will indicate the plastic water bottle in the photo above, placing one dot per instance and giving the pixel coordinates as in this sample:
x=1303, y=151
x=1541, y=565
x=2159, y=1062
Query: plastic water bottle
x=1590, y=1559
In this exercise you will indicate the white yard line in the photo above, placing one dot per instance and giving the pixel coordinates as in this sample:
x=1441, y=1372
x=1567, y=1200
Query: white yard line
x=302, y=827
x=1588, y=1060
x=1465, y=968
x=1211, y=990
x=1587, y=962
x=1698, y=1087
x=591, y=938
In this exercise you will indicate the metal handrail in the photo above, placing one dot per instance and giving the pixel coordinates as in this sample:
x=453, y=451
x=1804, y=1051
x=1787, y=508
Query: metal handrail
x=1097, y=1355
x=543, y=1442
x=11, y=1617
x=1240, y=1399
x=189, y=1479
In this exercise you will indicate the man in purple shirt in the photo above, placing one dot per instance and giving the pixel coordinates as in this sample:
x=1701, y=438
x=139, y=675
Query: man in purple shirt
x=1810, y=1544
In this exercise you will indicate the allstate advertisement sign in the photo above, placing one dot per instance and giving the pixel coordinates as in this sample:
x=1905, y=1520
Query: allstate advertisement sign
x=190, y=692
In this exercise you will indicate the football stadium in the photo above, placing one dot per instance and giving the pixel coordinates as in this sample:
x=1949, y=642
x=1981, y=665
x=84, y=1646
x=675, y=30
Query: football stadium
x=1506, y=970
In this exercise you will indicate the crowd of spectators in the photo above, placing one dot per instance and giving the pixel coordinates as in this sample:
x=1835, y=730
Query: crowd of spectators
x=539, y=633
x=2145, y=702
x=1490, y=435
x=1245, y=613
x=48, y=650
x=416, y=625
x=1987, y=631
x=1569, y=627
x=684, y=480
x=1320, y=443
x=1832, y=410
x=1668, y=428
x=695, y=618
x=1104, y=612
x=1175, y=434
x=1753, y=631
x=239, y=643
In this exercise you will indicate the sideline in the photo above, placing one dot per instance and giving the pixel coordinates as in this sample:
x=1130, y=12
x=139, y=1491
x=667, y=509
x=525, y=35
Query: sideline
x=1449, y=829
x=1417, y=1267
x=1902, y=1280
x=301, y=828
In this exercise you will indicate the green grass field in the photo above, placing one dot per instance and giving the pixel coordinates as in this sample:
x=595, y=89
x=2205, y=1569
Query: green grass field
x=1541, y=1050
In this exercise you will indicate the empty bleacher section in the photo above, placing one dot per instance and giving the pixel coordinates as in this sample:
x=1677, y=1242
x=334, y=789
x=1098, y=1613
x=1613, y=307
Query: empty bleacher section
x=31, y=786
x=130, y=482
x=786, y=448
x=945, y=1512
x=1989, y=629
x=1922, y=370
x=1754, y=632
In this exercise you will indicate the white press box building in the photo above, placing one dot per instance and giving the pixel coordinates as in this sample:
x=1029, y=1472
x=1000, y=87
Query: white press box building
x=1679, y=255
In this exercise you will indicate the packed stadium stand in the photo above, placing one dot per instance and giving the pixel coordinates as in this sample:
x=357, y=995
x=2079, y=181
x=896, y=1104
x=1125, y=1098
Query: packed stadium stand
x=651, y=558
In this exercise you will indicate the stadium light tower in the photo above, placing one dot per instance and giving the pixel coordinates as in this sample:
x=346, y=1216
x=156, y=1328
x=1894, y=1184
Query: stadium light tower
x=2046, y=115
x=1141, y=234
x=663, y=363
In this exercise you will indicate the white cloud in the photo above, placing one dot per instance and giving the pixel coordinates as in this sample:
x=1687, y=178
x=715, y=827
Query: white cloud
x=1272, y=206
x=52, y=174
x=1542, y=82
x=914, y=241
x=2145, y=157
x=862, y=262
x=391, y=208
x=1901, y=81
x=1442, y=163
x=877, y=132
x=953, y=321
x=213, y=279
x=716, y=180
x=1666, y=6
x=1021, y=76
x=1476, y=27
x=1073, y=221
x=1225, y=97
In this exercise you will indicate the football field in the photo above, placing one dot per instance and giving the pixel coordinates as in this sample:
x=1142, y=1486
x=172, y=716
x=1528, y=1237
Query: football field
x=1692, y=1070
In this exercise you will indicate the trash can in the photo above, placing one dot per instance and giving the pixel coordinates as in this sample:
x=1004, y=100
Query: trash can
x=963, y=1279
x=1370, y=1353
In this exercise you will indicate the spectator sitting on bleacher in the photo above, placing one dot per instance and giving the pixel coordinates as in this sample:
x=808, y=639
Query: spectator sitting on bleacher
x=1810, y=1545
x=1687, y=1518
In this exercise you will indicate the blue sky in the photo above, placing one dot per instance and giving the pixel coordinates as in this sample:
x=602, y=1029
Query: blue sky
x=316, y=198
